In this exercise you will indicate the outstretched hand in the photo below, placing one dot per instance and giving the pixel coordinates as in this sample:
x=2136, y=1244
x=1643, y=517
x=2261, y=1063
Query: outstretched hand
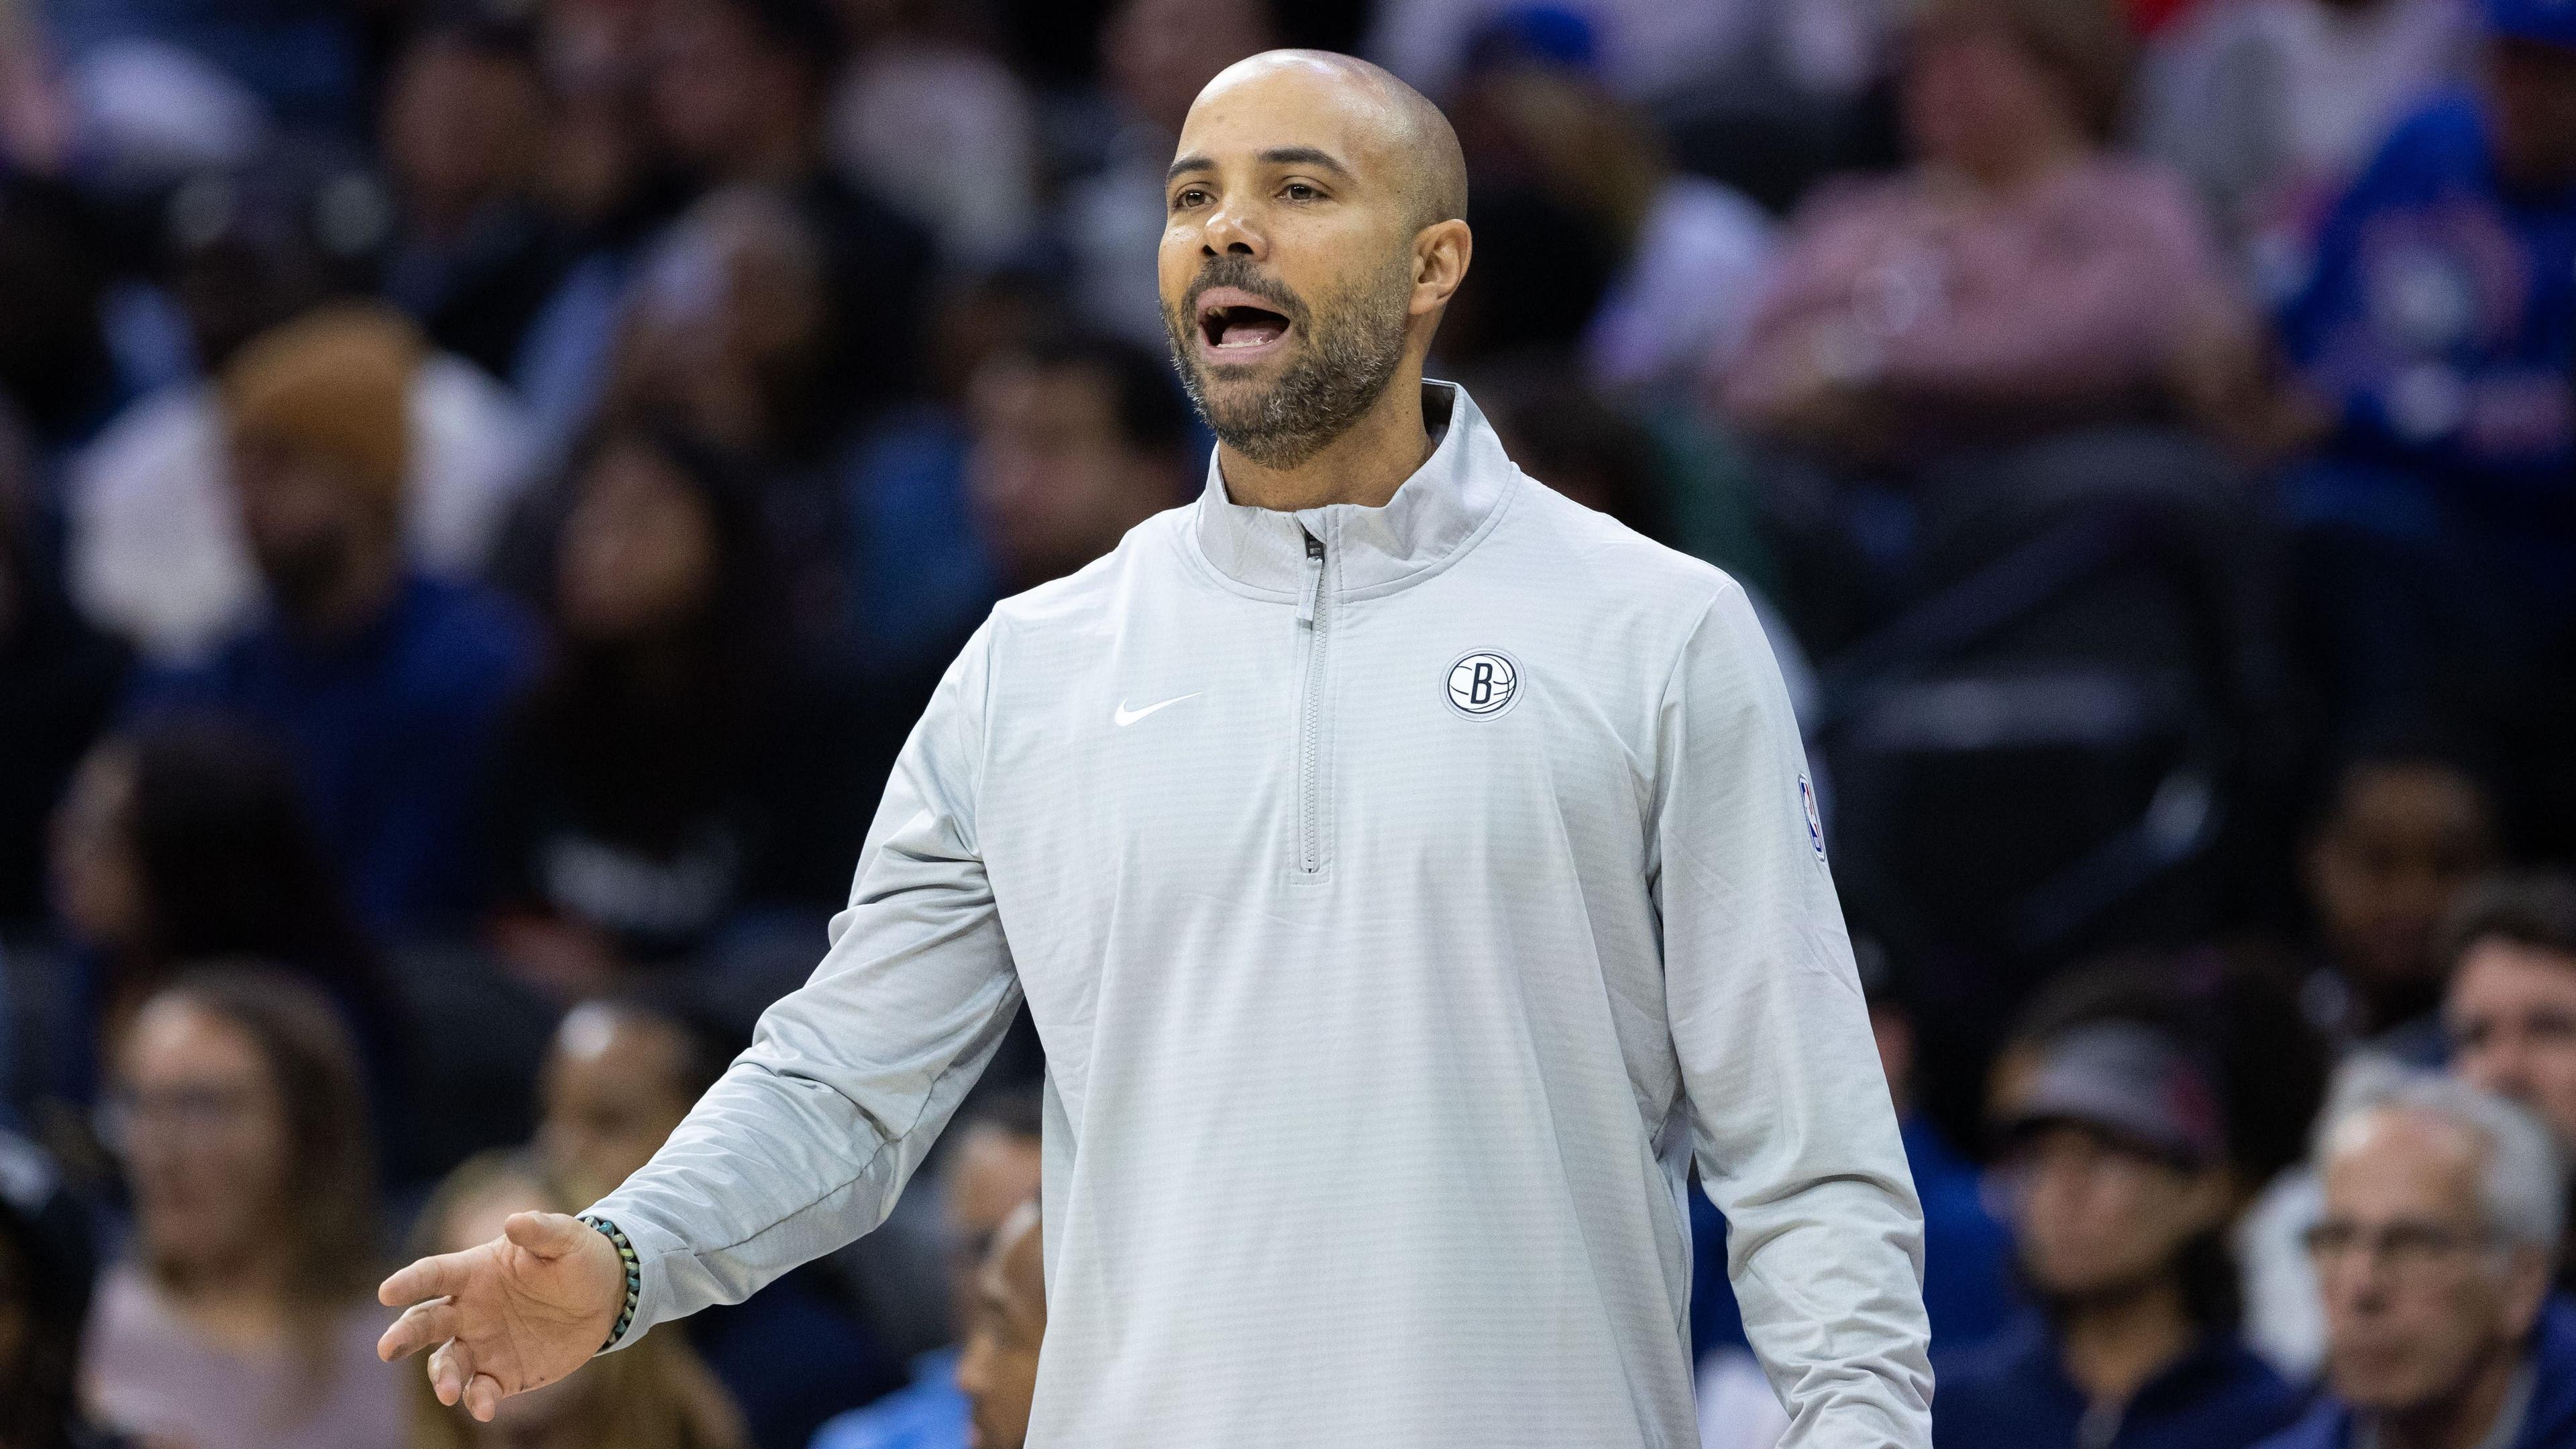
x=516, y=1313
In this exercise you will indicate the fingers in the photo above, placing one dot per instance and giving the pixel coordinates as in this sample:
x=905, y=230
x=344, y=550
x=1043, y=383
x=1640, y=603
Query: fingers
x=423, y=1325
x=451, y=1369
x=483, y=1397
x=548, y=1235
x=439, y=1277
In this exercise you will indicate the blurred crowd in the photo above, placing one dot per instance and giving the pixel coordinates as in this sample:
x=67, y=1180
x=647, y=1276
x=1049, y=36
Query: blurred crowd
x=486, y=487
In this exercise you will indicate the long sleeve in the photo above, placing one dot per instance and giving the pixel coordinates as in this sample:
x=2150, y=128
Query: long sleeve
x=807, y=1139
x=1796, y=1136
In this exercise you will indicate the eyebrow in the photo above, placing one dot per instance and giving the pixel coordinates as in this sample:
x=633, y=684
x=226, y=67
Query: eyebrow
x=1275, y=156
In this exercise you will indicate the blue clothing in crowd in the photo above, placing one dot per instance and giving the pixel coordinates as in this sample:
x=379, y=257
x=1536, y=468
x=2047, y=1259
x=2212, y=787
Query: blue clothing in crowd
x=1967, y=1253
x=2014, y=1391
x=930, y=1413
x=2549, y=1421
x=792, y=1359
x=2441, y=322
x=387, y=731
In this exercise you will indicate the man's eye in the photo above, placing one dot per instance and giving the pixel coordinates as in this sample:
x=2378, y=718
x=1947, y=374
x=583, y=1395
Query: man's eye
x=1191, y=197
x=1299, y=191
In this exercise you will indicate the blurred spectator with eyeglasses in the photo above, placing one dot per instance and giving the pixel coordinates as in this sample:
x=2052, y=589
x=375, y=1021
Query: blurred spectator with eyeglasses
x=183, y=842
x=986, y=1172
x=656, y=1394
x=622, y=1072
x=2116, y=1163
x=2443, y=1207
x=245, y=1317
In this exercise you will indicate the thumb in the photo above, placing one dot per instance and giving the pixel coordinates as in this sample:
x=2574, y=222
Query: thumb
x=548, y=1235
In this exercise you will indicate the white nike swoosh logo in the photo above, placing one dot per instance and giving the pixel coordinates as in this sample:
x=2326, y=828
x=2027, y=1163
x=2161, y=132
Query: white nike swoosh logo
x=1126, y=716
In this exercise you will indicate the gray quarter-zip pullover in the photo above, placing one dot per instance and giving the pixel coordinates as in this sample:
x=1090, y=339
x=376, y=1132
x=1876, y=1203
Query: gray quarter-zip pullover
x=1404, y=896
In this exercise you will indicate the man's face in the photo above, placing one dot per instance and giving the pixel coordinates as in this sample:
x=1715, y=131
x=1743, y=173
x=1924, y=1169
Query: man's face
x=998, y=1369
x=612, y=1093
x=2512, y=1018
x=2418, y=1297
x=2094, y=1217
x=1287, y=263
x=2403, y=840
x=2531, y=105
x=713, y=80
x=304, y=518
x=1052, y=478
x=992, y=1173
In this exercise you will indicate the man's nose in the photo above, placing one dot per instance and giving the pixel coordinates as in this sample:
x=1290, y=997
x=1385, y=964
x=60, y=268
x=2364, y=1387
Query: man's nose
x=1232, y=232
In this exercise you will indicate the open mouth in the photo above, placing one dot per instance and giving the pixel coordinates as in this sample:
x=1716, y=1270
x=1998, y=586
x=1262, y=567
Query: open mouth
x=1235, y=326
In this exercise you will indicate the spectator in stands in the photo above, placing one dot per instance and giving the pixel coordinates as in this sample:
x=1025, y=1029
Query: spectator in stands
x=2117, y=1160
x=928, y=117
x=385, y=684
x=238, y=1111
x=678, y=764
x=1076, y=440
x=154, y=538
x=2271, y=107
x=58, y=686
x=654, y=1395
x=622, y=1073
x=989, y=1170
x=2403, y=830
x=2019, y=279
x=183, y=843
x=2511, y=1007
x=1687, y=251
x=1155, y=57
x=45, y=1267
x=472, y=257
x=737, y=92
x=999, y=1367
x=2443, y=1207
x=2437, y=522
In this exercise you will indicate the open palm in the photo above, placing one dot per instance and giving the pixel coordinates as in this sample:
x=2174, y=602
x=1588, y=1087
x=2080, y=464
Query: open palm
x=516, y=1313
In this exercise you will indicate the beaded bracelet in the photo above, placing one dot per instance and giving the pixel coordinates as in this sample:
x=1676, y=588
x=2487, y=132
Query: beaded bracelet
x=634, y=1276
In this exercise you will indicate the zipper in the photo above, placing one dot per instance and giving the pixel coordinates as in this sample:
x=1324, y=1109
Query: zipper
x=1310, y=727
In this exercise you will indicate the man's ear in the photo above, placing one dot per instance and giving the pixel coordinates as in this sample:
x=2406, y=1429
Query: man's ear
x=2526, y=1288
x=1441, y=252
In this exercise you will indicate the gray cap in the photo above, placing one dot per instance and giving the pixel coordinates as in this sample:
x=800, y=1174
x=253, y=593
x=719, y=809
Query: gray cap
x=2131, y=1081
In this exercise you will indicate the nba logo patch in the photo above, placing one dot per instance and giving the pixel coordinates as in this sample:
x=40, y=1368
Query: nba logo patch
x=1815, y=821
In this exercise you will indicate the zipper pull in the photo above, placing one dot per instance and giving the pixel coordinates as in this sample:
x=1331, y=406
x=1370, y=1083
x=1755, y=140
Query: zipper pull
x=1314, y=579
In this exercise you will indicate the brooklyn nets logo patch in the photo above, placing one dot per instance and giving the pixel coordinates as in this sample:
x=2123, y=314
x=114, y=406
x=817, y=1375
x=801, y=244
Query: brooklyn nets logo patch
x=1483, y=685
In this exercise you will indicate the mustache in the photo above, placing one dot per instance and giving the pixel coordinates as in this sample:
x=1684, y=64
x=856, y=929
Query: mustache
x=1229, y=270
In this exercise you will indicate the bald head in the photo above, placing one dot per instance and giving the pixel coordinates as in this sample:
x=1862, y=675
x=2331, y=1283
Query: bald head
x=1400, y=126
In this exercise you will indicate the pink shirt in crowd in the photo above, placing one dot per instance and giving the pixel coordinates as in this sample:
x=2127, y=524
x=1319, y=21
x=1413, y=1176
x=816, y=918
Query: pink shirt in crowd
x=153, y=1377
x=2064, y=302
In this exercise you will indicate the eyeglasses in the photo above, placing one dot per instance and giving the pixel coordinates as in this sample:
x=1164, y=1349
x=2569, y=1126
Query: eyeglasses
x=2406, y=1248
x=186, y=1113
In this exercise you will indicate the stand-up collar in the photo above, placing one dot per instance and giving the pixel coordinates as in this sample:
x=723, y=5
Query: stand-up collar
x=1438, y=512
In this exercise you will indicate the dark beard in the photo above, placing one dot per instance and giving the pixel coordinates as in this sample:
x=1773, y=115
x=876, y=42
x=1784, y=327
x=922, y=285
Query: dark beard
x=1354, y=344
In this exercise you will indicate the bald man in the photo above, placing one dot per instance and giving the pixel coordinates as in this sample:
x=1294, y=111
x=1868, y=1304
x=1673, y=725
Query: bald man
x=1409, y=872
x=1005, y=1327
